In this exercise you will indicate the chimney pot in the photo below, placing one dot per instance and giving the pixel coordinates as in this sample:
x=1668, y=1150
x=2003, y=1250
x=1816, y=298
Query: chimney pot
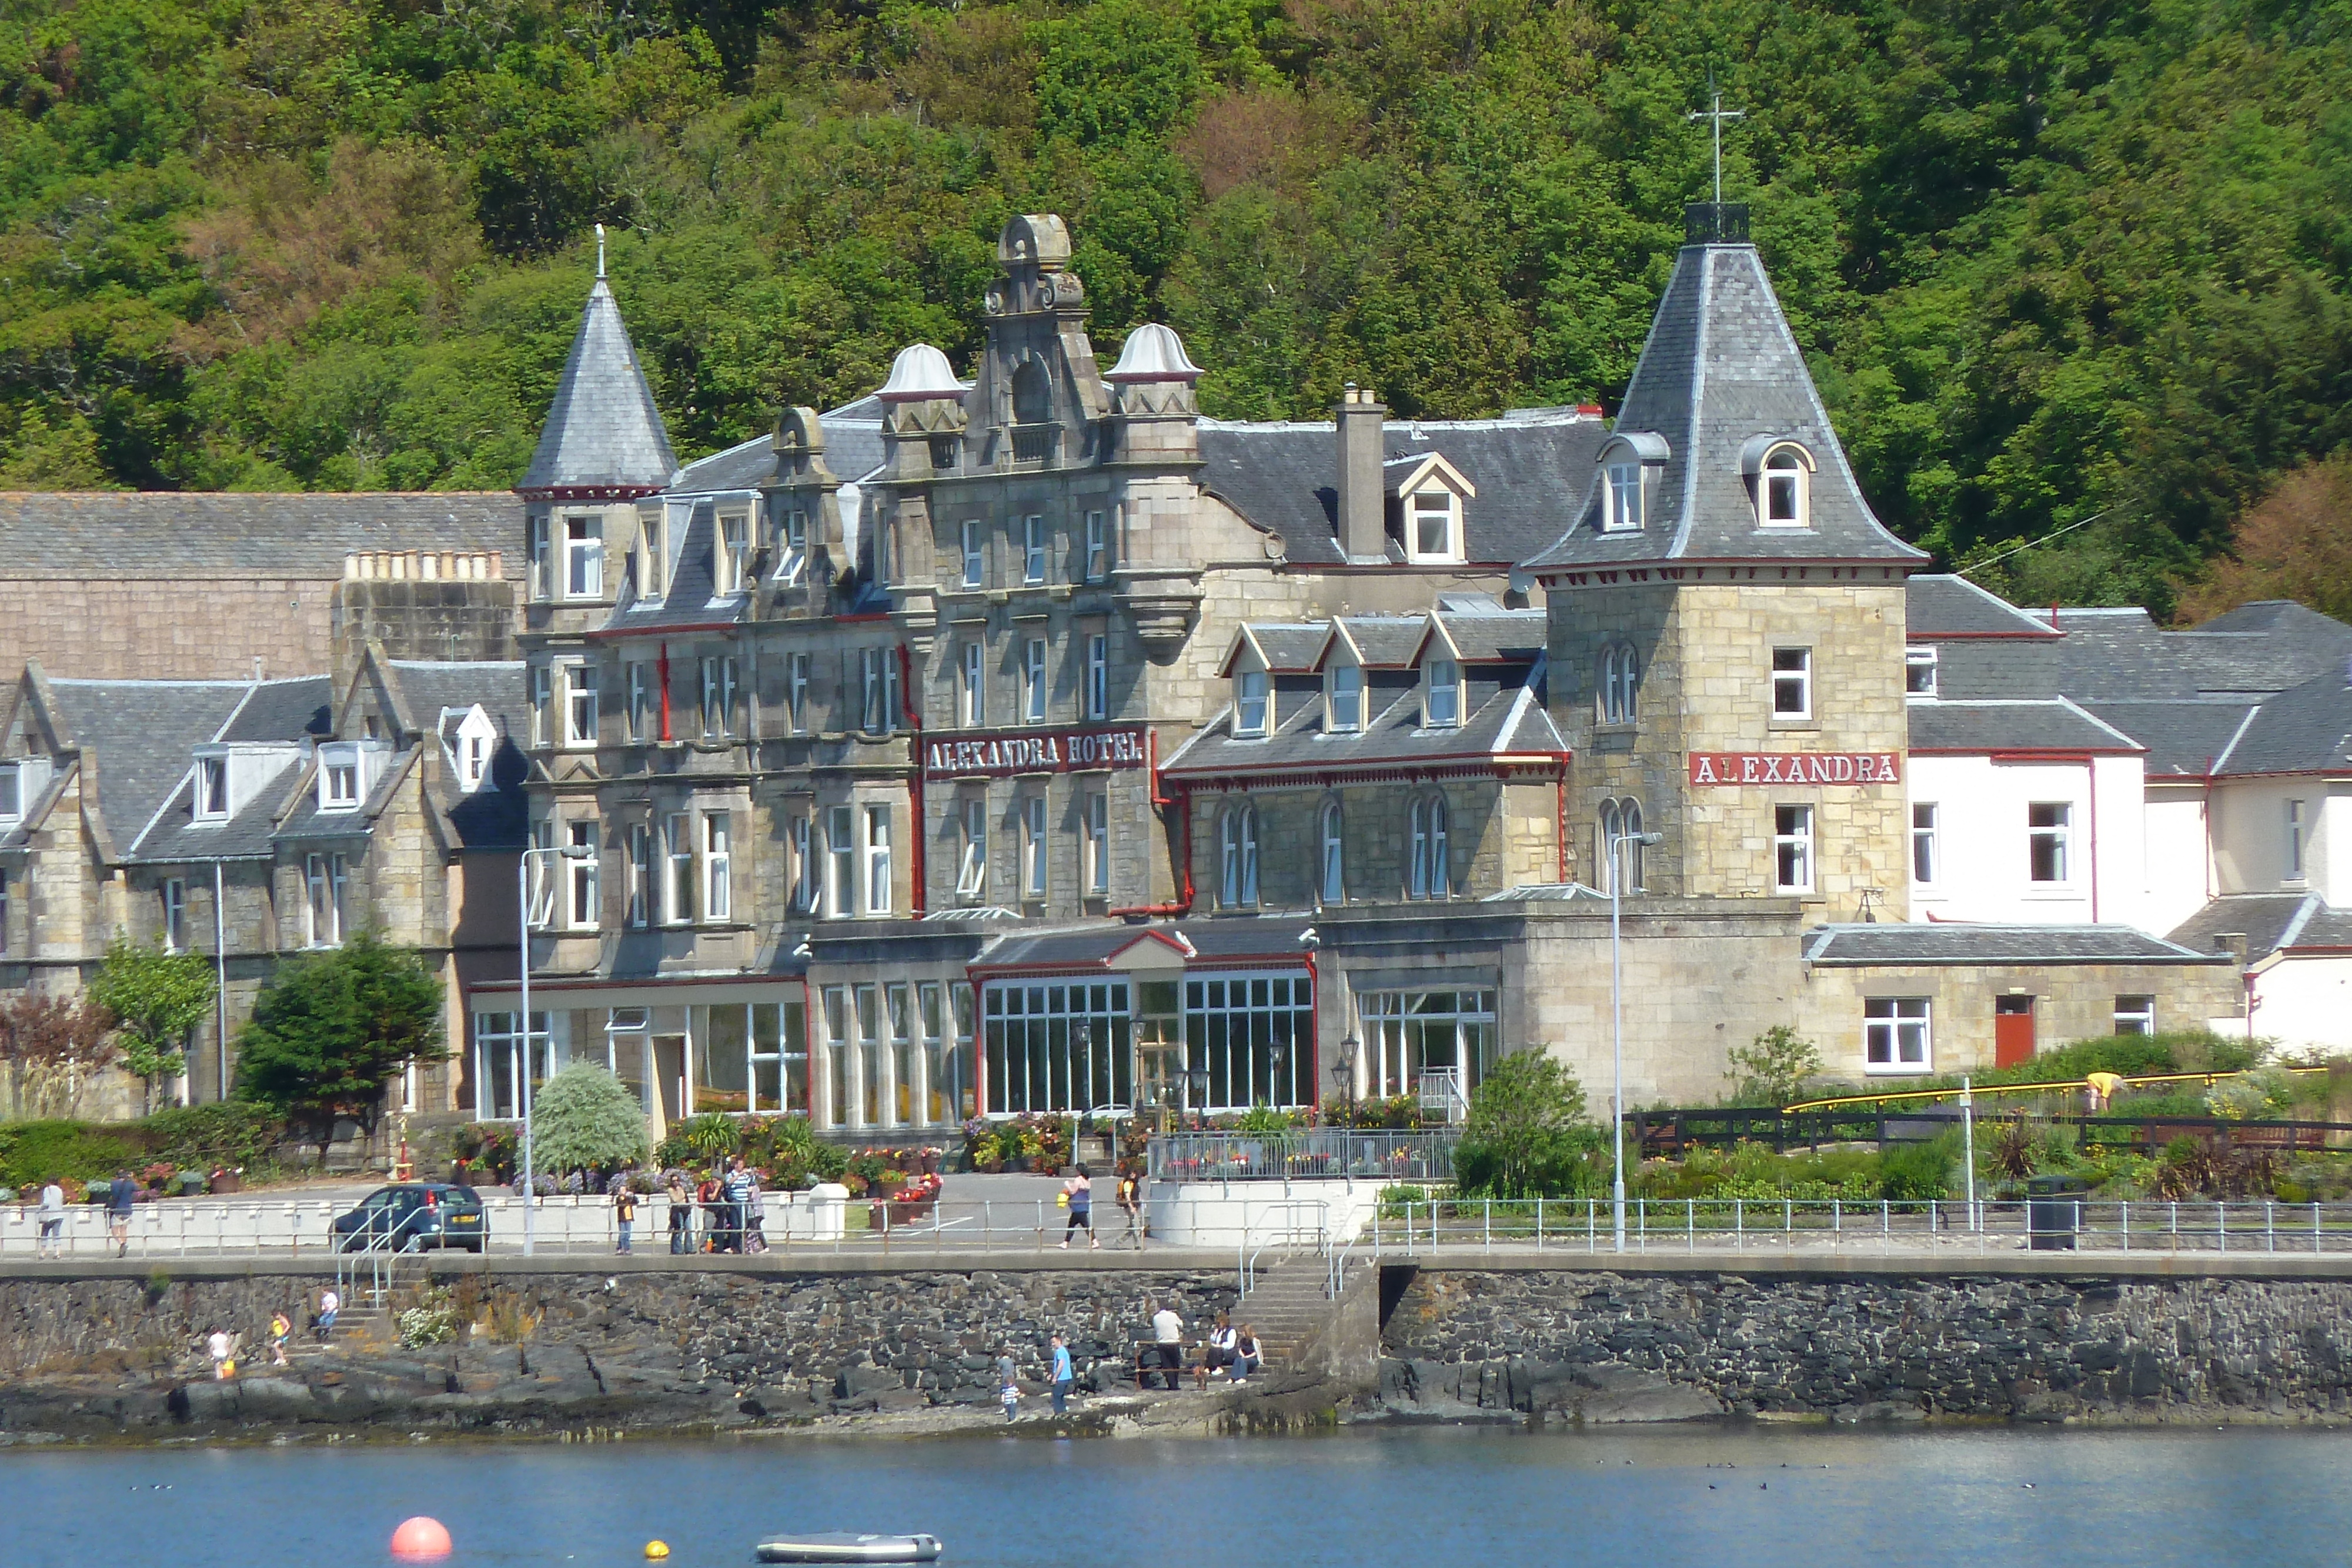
x=1363, y=503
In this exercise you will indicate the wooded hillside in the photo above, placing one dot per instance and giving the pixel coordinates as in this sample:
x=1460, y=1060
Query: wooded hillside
x=2050, y=258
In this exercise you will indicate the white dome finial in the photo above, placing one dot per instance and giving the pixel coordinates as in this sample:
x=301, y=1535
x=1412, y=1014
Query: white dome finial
x=1153, y=354
x=920, y=374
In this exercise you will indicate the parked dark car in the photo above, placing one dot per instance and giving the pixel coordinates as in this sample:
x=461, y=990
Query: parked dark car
x=413, y=1216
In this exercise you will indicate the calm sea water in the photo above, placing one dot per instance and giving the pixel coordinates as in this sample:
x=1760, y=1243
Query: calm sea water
x=1430, y=1499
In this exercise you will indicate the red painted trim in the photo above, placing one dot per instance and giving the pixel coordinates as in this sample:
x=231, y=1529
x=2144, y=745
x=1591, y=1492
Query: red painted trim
x=665, y=693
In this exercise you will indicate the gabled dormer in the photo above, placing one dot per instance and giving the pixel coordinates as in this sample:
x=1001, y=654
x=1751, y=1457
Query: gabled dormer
x=1344, y=697
x=470, y=739
x=1439, y=668
x=1246, y=667
x=1429, y=495
x=349, y=771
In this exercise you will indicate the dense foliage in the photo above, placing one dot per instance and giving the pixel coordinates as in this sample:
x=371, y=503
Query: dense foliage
x=157, y=1000
x=330, y=1030
x=1526, y=1134
x=183, y=1138
x=2053, y=261
x=583, y=1118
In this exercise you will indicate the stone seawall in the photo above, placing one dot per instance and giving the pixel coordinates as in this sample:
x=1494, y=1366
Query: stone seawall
x=1606, y=1346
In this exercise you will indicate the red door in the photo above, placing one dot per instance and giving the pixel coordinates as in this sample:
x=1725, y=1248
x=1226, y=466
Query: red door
x=2013, y=1030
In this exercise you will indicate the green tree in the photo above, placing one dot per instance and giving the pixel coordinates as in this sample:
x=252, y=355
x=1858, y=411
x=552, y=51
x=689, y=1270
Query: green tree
x=331, y=1029
x=583, y=1118
x=157, y=998
x=1527, y=1135
x=1773, y=1069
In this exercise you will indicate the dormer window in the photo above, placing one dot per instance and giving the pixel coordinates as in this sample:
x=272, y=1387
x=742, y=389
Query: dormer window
x=1442, y=694
x=1919, y=672
x=339, y=784
x=652, y=554
x=1433, y=526
x=584, y=558
x=1782, y=473
x=475, y=764
x=1628, y=471
x=734, y=553
x=1622, y=500
x=212, y=788
x=1344, y=697
x=12, y=793
x=792, y=547
x=1250, y=705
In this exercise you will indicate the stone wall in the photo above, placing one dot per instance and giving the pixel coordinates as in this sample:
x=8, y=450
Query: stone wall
x=177, y=628
x=1608, y=1346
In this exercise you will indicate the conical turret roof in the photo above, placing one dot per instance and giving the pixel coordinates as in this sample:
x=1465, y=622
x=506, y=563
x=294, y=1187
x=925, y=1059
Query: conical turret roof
x=604, y=433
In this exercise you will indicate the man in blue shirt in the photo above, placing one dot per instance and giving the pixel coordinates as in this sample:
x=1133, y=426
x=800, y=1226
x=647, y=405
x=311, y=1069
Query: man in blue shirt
x=1062, y=1376
x=120, y=1194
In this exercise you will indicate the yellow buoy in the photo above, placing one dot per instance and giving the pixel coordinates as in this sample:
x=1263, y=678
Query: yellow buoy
x=657, y=1549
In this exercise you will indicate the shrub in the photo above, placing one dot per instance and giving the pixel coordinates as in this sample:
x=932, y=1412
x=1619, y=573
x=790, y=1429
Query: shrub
x=431, y=1322
x=586, y=1119
x=1527, y=1135
x=231, y=1133
x=1774, y=1069
x=34, y=1152
x=1914, y=1172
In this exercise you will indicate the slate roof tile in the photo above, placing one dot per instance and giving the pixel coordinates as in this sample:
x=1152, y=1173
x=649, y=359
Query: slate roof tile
x=181, y=536
x=1956, y=943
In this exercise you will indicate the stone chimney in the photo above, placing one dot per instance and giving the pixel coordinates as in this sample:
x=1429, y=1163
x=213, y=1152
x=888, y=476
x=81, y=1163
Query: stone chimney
x=422, y=605
x=1363, y=503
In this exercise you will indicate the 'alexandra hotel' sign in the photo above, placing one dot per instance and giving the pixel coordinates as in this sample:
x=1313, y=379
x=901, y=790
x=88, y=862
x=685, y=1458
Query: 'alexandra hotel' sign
x=1736, y=767
x=1052, y=751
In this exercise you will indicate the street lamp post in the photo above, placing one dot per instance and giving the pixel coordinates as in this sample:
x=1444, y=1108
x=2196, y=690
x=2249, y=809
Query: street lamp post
x=523, y=1084
x=1617, y=843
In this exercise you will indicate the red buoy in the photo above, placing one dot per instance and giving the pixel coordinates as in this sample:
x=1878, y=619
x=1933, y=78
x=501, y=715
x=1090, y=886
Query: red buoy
x=420, y=1539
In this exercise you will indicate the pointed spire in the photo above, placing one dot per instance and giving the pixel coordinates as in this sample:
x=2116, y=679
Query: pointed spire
x=604, y=436
x=600, y=227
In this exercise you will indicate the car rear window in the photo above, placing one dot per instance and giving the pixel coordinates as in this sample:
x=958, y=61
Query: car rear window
x=465, y=1195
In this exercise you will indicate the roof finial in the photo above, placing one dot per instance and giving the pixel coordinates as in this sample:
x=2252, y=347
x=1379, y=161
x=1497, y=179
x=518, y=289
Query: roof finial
x=1719, y=180
x=1716, y=114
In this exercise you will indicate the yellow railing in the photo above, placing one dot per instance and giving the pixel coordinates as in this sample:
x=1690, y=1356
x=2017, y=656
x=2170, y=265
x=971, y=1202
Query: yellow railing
x=2128, y=1081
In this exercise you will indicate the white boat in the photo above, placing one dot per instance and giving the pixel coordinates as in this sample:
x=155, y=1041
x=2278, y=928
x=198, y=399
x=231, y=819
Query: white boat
x=844, y=1546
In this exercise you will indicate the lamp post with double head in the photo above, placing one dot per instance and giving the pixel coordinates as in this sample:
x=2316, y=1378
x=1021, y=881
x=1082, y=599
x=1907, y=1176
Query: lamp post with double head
x=1617, y=843
x=523, y=911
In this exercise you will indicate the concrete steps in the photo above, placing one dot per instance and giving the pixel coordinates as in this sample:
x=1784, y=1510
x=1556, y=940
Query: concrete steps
x=1287, y=1307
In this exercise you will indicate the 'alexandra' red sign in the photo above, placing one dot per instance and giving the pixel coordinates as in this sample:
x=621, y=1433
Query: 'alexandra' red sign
x=1794, y=768
x=1049, y=752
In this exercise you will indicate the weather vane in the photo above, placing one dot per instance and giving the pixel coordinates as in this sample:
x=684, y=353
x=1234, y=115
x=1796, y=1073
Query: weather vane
x=1718, y=114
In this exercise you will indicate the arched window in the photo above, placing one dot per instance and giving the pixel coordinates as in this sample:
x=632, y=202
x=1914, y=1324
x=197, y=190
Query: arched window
x=1033, y=394
x=1782, y=492
x=1335, y=855
x=1238, y=843
x=1432, y=875
x=1618, y=848
x=1620, y=679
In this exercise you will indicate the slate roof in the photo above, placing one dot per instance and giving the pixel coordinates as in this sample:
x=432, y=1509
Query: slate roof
x=1527, y=466
x=1511, y=721
x=691, y=599
x=2264, y=919
x=1720, y=369
x=1955, y=943
x=1939, y=604
x=2122, y=655
x=174, y=837
x=2183, y=739
x=141, y=735
x=1227, y=937
x=497, y=815
x=1996, y=725
x=182, y=535
x=2307, y=729
x=288, y=709
x=603, y=432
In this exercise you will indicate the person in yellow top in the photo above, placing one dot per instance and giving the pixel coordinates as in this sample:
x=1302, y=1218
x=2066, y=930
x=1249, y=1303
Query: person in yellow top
x=280, y=1326
x=2104, y=1088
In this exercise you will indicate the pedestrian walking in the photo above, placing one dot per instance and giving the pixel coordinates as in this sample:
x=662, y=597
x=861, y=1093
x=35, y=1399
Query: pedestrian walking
x=53, y=1218
x=1008, y=1385
x=120, y=1194
x=1131, y=1199
x=681, y=1213
x=1078, y=1192
x=1168, y=1343
x=330, y=1304
x=625, y=1211
x=1062, y=1376
x=280, y=1326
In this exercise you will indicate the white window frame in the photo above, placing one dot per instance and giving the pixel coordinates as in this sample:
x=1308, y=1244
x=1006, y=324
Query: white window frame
x=791, y=547
x=1237, y=845
x=636, y=709
x=975, y=554
x=1447, y=511
x=1098, y=547
x=1033, y=550
x=1097, y=823
x=1624, y=497
x=1441, y=694
x=583, y=557
x=2135, y=1015
x=808, y=872
x=1926, y=844
x=11, y=792
x=732, y=545
x=677, y=868
x=542, y=558
x=1343, y=699
x=339, y=781
x=1617, y=694
x=972, y=869
x=719, y=675
x=1333, y=881
x=1793, y=851
x=174, y=898
x=579, y=704
x=1034, y=841
x=1893, y=1026
x=718, y=867
x=974, y=695
x=1033, y=683
x=1919, y=672
x=796, y=690
x=1430, y=871
x=2055, y=837
x=212, y=803
x=1783, y=478
x=840, y=862
x=327, y=882
x=652, y=554
x=1253, y=703
x=1098, y=675
x=874, y=844
x=2296, y=845
x=639, y=912
x=581, y=910
x=1793, y=685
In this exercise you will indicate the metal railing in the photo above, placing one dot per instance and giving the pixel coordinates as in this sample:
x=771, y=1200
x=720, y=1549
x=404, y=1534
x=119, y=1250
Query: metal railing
x=1282, y=1228
x=1313, y=1153
x=1927, y=1226
x=1672, y=1132
x=367, y=1253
